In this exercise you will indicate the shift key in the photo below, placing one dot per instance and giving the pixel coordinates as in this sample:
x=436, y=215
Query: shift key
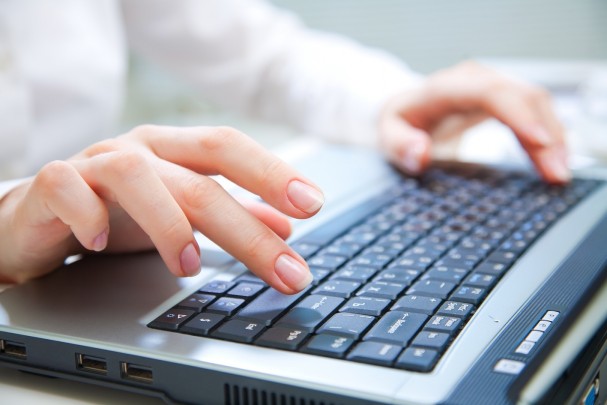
x=268, y=306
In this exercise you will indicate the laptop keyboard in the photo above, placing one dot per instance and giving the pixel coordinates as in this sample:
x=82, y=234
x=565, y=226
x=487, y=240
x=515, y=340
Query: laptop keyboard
x=396, y=278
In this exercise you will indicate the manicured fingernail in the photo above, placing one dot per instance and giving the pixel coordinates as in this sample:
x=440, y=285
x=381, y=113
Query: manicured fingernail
x=294, y=274
x=190, y=260
x=100, y=242
x=305, y=197
x=413, y=157
x=556, y=163
x=540, y=135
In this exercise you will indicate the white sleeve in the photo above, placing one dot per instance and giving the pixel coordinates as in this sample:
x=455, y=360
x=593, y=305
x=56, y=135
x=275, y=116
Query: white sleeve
x=249, y=56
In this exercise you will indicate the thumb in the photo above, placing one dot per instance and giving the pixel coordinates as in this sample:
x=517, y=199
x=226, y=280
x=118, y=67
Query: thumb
x=407, y=147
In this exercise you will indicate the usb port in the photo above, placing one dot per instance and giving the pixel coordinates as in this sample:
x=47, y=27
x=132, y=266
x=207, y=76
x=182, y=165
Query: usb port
x=91, y=364
x=13, y=349
x=136, y=372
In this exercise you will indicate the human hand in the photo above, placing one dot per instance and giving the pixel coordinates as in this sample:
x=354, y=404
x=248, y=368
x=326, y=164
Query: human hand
x=454, y=99
x=148, y=188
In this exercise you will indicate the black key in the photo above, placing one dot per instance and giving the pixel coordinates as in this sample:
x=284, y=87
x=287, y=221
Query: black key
x=268, y=306
x=246, y=290
x=365, y=305
x=337, y=288
x=431, y=288
x=282, y=338
x=417, y=359
x=172, y=319
x=480, y=280
x=396, y=327
x=216, y=287
x=381, y=289
x=445, y=273
x=345, y=324
x=471, y=295
x=445, y=324
x=382, y=354
x=226, y=305
x=417, y=303
x=238, y=330
x=373, y=260
x=496, y=269
x=354, y=273
x=502, y=256
x=454, y=308
x=310, y=312
x=196, y=302
x=420, y=263
x=397, y=275
x=304, y=249
x=343, y=249
x=328, y=262
x=249, y=277
x=432, y=340
x=328, y=345
x=201, y=324
x=318, y=274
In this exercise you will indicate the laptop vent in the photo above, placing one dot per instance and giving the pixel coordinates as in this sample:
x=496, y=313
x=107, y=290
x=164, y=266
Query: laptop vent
x=237, y=395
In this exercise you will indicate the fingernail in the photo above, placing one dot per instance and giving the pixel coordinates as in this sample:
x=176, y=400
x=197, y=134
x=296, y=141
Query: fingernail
x=305, y=197
x=294, y=274
x=540, y=135
x=100, y=242
x=412, y=159
x=190, y=260
x=556, y=164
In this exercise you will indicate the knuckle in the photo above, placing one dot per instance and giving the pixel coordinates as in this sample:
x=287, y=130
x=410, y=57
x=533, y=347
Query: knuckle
x=125, y=163
x=271, y=170
x=200, y=193
x=144, y=130
x=219, y=138
x=258, y=243
x=105, y=146
x=54, y=174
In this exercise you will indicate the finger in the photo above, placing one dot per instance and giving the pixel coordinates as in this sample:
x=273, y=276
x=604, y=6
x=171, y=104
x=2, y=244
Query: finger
x=128, y=179
x=59, y=192
x=227, y=223
x=407, y=147
x=234, y=155
x=272, y=218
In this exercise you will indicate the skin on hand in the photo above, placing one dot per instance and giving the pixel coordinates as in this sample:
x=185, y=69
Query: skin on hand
x=452, y=100
x=149, y=188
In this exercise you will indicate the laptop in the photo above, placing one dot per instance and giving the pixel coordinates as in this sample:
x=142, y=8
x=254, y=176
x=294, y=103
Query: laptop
x=468, y=285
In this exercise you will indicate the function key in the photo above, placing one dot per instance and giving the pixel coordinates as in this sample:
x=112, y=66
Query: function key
x=216, y=287
x=246, y=290
x=471, y=295
x=172, y=319
x=196, y=302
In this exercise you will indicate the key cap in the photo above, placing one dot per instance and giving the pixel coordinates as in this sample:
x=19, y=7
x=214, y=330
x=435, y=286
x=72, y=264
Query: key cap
x=396, y=327
x=441, y=323
x=381, y=289
x=246, y=290
x=337, y=288
x=172, y=319
x=304, y=249
x=202, y=324
x=328, y=262
x=431, y=288
x=197, y=302
x=226, y=305
x=432, y=340
x=282, y=338
x=328, y=345
x=417, y=303
x=216, y=287
x=471, y=295
x=454, y=308
x=268, y=306
x=354, y=273
x=382, y=354
x=417, y=359
x=480, y=280
x=238, y=330
x=310, y=312
x=345, y=324
x=365, y=305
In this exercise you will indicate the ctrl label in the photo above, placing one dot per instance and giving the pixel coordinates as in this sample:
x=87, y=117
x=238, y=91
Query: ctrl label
x=507, y=366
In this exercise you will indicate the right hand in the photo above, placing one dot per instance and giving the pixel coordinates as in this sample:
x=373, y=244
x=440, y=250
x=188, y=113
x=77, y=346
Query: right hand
x=149, y=188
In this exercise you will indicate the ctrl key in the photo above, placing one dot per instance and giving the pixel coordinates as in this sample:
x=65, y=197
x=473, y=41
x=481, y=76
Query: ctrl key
x=328, y=345
x=239, y=330
x=417, y=359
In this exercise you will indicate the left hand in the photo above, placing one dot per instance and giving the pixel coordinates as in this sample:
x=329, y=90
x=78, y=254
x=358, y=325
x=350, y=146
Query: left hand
x=454, y=99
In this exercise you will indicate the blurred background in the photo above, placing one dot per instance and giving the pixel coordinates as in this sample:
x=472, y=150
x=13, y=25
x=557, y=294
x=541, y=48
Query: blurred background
x=561, y=44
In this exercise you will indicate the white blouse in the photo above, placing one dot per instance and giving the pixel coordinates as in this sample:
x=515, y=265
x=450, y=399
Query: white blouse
x=63, y=67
